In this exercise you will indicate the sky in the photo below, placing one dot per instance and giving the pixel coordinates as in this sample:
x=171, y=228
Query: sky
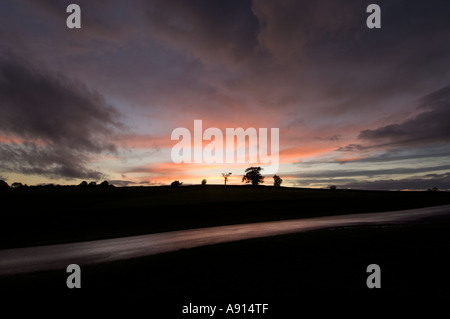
x=355, y=107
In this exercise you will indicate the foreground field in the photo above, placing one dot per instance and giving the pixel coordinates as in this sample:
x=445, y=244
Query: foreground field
x=292, y=273
x=48, y=215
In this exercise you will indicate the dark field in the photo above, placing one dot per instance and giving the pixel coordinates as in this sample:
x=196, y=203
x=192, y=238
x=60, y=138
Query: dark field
x=322, y=270
x=45, y=215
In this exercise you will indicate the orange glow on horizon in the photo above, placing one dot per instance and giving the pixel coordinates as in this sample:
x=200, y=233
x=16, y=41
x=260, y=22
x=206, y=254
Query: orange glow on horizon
x=9, y=139
x=296, y=153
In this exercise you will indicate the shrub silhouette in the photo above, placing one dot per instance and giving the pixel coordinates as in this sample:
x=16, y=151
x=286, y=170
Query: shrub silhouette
x=83, y=184
x=203, y=182
x=277, y=180
x=3, y=184
x=176, y=183
x=104, y=184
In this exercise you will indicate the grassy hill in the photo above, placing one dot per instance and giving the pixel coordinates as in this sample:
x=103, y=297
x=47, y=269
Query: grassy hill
x=45, y=215
x=322, y=270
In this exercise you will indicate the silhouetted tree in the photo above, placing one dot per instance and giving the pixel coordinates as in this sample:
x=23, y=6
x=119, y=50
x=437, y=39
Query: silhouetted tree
x=16, y=185
x=3, y=184
x=104, y=184
x=83, y=184
x=332, y=187
x=92, y=184
x=176, y=183
x=253, y=175
x=225, y=177
x=434, y=189
x=277, y=181
x=203, y=182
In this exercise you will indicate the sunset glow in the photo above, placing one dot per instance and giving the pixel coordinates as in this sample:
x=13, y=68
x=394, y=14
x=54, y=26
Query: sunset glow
x=355, y=107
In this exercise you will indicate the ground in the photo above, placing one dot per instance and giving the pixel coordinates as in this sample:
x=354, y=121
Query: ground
x=289, y=272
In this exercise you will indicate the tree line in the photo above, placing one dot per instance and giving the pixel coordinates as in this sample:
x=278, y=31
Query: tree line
x=252, y=175
x=4, y=184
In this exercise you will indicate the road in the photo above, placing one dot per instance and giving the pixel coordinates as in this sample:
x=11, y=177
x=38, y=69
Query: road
x=30, y=259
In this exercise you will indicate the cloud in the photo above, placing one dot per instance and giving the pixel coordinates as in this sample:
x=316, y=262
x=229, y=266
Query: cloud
x=290, y=27
x=98, y=22
x=441, y=181
x=340, y=173
x=423, y=153
x=311, y=68
x=210, y=30
x=328, y=138
x=59, y=121
x=429, y=126
x=125, y=183
x=351, y=148
x=54, y=161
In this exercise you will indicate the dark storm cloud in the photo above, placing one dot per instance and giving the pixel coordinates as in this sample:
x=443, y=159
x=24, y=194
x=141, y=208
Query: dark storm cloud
x=429, y=126
x=371, y=173
x=122, y=183
x=352, y=148
x=289, y=28
x=441, y=181
x=59, y=121
x=51, y=107
x=53, y=161
x=100, y=20
x=279, y=54
x=345, y=70
x=125, y=183
x=214, y=30
x=424, y=152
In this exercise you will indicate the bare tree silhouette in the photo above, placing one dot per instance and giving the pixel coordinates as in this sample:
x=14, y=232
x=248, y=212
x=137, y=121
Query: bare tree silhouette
x=225, y=177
